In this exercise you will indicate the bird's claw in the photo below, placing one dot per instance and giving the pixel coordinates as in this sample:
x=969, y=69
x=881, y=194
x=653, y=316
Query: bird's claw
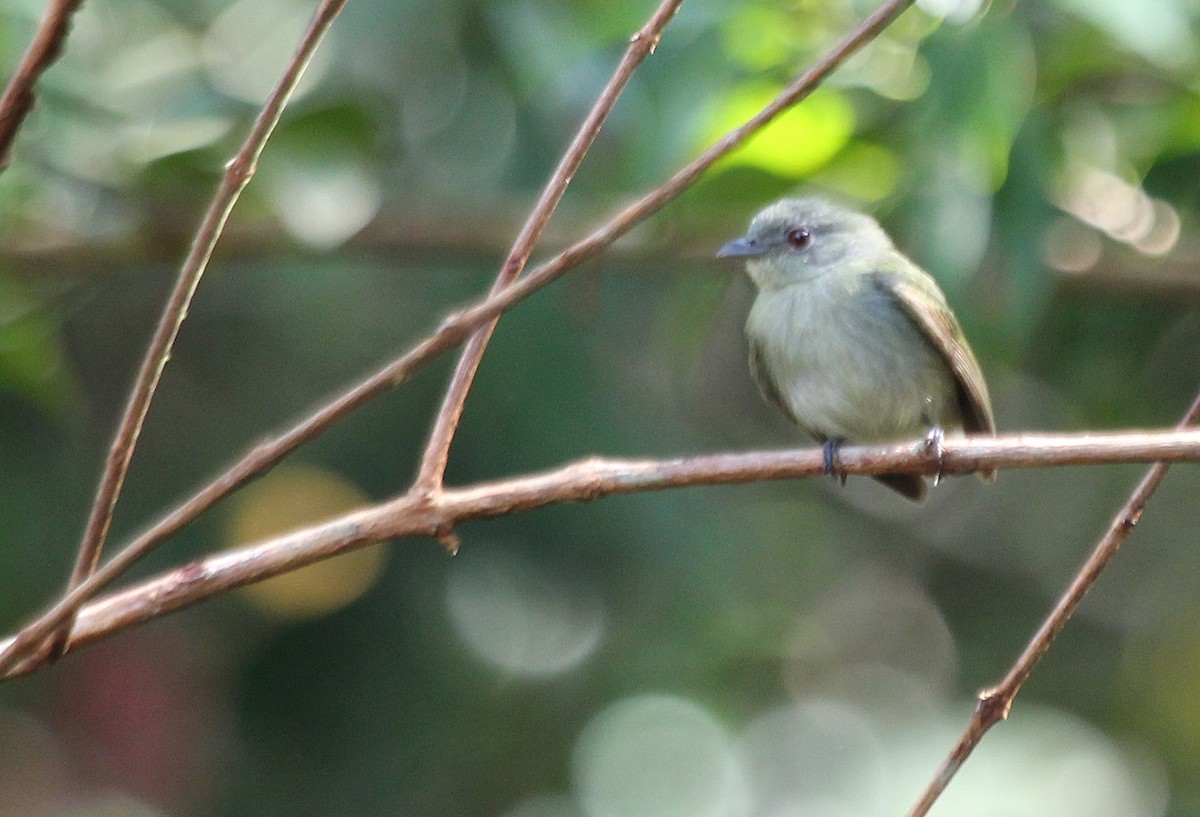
x=933, y=447
x=832, y=464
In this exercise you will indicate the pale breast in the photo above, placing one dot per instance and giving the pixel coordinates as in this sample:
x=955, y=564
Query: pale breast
x=848, y=363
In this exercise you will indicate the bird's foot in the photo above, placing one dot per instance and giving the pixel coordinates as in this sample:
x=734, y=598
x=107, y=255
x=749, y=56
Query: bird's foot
x=832, y=464
x=933, y=446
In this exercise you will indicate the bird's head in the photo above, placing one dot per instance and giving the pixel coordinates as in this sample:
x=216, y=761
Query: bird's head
x=797, y=240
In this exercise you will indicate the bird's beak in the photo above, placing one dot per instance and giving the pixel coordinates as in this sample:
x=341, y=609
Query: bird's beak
x=741, y=248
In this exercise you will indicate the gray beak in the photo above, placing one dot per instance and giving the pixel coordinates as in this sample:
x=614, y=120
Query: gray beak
x=741, y=248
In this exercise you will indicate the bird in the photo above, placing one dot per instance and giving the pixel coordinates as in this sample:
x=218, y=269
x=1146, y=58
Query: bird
x=851, y=340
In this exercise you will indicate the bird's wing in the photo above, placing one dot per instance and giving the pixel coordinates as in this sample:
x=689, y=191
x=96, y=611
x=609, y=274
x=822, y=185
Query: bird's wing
x=766, y=383
x=926, y=307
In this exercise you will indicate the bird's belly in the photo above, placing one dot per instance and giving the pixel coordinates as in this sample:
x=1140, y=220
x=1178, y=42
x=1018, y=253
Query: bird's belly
x=852, y=367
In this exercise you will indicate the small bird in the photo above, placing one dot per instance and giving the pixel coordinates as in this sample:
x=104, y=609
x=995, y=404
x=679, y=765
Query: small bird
x=850, y=339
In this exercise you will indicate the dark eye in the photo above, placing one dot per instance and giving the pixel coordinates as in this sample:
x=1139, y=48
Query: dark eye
x=799, y=238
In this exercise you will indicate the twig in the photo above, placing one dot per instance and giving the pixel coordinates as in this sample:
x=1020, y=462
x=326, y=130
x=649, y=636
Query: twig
x=238, y=172
x=586, y=480
x=46, y=47
x=432, y=470
x=455, y=329
x=995, y=702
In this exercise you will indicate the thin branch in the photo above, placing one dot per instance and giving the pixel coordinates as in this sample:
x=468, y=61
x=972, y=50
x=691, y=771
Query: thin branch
x=46, y=47
x=586, y=480
x=238, y=172
x=455, y=329
x=995, y=702
x=432, y=470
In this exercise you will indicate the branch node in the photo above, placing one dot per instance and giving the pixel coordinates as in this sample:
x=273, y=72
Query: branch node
x=652, y=39
x=240, y=170
x=456, y=327
x=994, y=704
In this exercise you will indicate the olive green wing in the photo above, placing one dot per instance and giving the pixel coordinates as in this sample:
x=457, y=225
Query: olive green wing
x=926, y=307
x=920, y=299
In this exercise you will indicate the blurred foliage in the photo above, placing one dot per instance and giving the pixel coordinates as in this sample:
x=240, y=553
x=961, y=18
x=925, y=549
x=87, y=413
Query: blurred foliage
x=765, y=649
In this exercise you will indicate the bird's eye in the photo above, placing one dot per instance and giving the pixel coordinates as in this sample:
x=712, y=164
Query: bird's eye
x=799, y=238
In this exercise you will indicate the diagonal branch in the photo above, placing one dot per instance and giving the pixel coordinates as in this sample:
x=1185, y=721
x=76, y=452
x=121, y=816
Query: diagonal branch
x=46, y=47
x=455, y=329
x=419, y=514
x=432, y=470
x=995, y=702
x=238, y=172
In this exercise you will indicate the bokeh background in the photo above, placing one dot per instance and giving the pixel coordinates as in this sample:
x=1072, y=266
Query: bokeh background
x=776, y=649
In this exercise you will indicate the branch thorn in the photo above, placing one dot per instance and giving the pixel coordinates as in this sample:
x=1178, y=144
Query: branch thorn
x=448, y=538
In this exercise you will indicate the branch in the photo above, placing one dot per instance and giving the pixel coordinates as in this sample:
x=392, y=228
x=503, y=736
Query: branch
x=420, y=514
x=432, y=470
x=46, y=47
x=238, y=172
x=995, y=702
x=455, y=329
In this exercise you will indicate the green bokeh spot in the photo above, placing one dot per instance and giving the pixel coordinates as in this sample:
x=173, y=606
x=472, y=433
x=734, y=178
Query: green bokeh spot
x=753, y=37
x=864, y=171
x=32, y=361
x=799, y=142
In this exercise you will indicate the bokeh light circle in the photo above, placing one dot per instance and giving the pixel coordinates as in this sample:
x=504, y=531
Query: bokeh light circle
x=291, y=497
x=519, y=616
x=657, y=756
x=545, y=805
x=820, y=756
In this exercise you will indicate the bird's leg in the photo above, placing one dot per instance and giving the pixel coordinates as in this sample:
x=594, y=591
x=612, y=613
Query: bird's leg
x=933, y=439
x=833, y=466
x=933, y=445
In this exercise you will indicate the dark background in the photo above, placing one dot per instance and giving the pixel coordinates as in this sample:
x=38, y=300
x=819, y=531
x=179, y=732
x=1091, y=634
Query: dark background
x=774, y=649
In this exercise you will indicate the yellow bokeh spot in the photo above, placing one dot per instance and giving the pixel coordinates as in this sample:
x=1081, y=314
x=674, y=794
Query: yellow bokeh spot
x=289, y=498
x=800, y=141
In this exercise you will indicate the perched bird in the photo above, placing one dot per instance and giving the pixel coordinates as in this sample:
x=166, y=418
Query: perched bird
x=850, y=339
